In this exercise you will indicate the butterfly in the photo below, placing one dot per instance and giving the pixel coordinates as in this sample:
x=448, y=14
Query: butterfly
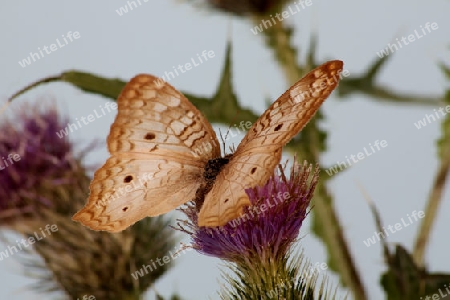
x=165, y=153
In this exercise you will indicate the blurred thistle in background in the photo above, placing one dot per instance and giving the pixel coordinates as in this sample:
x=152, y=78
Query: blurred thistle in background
x=47, y=186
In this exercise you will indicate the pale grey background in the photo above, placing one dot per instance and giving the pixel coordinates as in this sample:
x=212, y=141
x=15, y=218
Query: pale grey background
x=160, y=34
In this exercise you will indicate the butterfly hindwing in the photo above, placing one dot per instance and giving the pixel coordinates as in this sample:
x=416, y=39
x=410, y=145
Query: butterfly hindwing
x=227, y=197
x=132, y=186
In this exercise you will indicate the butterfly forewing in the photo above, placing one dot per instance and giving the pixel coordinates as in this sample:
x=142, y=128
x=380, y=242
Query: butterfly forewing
x=152, y=116
x=292, y=111
x=260, y=151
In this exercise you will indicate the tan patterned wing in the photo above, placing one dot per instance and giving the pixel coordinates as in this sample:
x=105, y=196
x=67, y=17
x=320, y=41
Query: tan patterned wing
x=260, y=151
x=154, y=116
x=132, y=186
x=159, y=145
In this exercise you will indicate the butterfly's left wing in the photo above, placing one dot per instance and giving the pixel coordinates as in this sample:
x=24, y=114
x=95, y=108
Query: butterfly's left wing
x=260, y=151
x=159, y=145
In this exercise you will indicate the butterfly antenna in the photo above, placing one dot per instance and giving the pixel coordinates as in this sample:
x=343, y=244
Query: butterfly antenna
x=228, y=131
x=223, y=140
x=232, y=148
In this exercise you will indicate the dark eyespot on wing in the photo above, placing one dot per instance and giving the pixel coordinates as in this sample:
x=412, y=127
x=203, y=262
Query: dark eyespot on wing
x=278, y=127
x=150, y=136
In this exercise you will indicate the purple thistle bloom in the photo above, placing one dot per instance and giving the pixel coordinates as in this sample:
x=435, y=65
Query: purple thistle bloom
x=34, y=160
x=266, y=229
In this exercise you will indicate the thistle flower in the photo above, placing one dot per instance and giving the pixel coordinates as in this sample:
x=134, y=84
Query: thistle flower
x=45, y=188
x=35, y=162
x=258, y=244
x=268, y=227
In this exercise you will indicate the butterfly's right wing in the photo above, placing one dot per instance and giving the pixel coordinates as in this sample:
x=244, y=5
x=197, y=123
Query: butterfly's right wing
x=159, y=145
x=260, y=151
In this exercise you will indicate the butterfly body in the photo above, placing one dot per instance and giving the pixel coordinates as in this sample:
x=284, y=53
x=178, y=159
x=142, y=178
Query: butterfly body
x=212, y=169
x=165, y=153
